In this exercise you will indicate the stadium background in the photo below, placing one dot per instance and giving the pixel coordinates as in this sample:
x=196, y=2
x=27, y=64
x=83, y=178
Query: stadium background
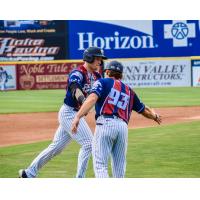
x=162, y=63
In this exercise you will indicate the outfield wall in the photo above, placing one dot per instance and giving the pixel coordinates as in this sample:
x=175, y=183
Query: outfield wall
x=39, y=54
x=39, y=75
x=146, y=72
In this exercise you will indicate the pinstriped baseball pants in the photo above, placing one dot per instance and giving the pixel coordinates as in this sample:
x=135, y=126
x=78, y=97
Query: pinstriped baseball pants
x=62, y=139
x=110, y=140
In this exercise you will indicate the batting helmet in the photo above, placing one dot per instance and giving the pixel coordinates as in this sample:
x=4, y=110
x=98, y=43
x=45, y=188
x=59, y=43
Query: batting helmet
x=92, y=52
x=115, y=66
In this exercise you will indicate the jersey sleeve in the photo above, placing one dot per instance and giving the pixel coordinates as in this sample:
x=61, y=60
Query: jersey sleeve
x=97, y=88
x=138, y=106
x=75, y=77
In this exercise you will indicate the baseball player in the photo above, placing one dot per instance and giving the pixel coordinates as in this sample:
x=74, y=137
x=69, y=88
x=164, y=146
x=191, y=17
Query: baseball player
x=114, y=103
x=80, y=82
x=3, y=79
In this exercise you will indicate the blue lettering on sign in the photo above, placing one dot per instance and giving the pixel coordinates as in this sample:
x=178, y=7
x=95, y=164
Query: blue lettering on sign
x=135, y=39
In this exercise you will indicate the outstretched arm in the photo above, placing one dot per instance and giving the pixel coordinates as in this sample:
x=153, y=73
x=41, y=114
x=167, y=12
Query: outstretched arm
x=149, y=113
x=85, y=108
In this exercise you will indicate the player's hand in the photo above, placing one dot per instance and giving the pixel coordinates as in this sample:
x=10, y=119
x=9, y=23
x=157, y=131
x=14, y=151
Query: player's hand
x=74, y=125
x=158, y=118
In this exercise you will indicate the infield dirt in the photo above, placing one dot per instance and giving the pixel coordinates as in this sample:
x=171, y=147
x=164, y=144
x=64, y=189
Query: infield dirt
x=32, y=127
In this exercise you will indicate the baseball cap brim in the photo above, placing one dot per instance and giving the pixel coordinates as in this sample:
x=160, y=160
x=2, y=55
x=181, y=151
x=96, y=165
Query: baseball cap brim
x=100, y=55
x=112, y=70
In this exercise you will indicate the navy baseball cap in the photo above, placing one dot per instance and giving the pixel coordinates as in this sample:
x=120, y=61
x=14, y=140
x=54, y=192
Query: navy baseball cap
x=95, y=52
x=115, y=66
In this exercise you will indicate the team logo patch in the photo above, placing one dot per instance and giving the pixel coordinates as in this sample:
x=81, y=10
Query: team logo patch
x=76, y=77
x=97, y=85
x=78, y=74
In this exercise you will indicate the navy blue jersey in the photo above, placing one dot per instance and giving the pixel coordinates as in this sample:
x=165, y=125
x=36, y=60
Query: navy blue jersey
x=84, y=79
x=116, y=98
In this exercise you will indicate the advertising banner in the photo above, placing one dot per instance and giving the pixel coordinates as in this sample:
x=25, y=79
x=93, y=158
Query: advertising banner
x=135, y=38
x=196, y=73
x=44, y=76
x=157, y=73
x=28, y=40
x=19, y=27
x=10, y=80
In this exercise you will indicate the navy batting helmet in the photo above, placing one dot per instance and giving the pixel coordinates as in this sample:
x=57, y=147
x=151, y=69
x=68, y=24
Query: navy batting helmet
x=115, y=66
x=92, y=52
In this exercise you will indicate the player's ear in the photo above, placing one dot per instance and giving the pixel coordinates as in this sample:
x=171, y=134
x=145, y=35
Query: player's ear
x=107, y=72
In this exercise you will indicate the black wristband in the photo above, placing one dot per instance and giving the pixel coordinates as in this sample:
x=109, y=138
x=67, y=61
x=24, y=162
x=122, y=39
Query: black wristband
x=81, y=99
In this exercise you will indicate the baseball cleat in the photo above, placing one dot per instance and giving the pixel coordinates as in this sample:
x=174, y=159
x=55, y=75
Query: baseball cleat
x=22, y=174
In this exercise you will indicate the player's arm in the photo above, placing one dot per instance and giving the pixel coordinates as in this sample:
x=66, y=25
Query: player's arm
x=96, y=93
x=85, y=108
x=77, y=93
x=151, y=114
x=87, y=105
x=75, y=80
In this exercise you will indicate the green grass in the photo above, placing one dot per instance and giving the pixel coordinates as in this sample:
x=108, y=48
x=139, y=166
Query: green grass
x=165, y=151
x=170, y=97
x=50, y=100
x=31, y=101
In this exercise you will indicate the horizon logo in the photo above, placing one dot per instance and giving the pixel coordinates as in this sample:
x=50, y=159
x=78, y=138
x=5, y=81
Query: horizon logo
x=179, y=32
x=116, y=41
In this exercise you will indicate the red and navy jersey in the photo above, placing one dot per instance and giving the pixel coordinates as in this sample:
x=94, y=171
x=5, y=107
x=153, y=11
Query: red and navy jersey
x=84, y=80
x=116, y=98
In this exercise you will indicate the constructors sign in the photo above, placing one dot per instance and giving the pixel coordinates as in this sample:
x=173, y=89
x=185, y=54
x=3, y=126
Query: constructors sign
x=157, y=73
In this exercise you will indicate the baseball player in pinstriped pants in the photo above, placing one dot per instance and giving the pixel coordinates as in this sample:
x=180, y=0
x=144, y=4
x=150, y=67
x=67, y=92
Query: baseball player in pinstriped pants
x=79, y=85
x=114, y=103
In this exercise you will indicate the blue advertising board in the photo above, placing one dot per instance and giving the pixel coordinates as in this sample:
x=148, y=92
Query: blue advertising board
x=135, y=38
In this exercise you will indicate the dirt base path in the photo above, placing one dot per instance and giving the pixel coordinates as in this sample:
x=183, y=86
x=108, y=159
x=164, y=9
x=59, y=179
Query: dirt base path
x=32, y=127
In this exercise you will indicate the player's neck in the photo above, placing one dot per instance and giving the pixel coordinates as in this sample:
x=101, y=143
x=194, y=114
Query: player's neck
x=87, y=67
x=114, y=78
